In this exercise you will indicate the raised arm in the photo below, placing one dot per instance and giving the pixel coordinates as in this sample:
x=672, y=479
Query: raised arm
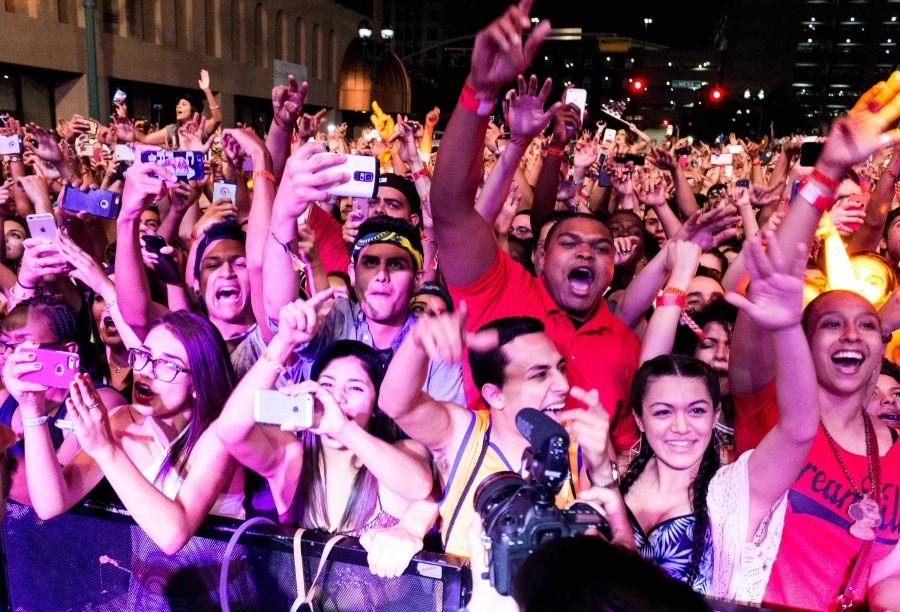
x=287, y=104
x=566, y=124
x=464, y=239
x=867, y=237
x=524, y=112
x=132, y=287
x=684, y=193
x=776, y=304
x=216, y=120
x=304, y=182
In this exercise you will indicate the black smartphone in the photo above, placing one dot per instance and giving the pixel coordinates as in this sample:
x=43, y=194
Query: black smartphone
x=166, y=268
x=809, y=153
x=637, y=160
x=97, y=202
x=742, y=183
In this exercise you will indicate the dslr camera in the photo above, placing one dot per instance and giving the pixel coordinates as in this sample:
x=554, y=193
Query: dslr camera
x=519, y=514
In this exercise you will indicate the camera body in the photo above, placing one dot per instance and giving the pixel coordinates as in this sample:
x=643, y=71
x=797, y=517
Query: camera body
x=519, y=514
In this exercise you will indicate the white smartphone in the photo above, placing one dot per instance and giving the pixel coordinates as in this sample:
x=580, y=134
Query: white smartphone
x=271, y=407
x=225, y=189
x=734, y=149
x=124, y=153
x=42, y=225
x=10, y=145
x=578, y=97
x=722, y=159
x=609, y=135
x=363, y=172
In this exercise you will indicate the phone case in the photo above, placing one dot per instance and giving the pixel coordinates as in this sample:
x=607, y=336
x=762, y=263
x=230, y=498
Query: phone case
x=41, y=225
x=225, y=189
x=10, y=145
x=183, y=164
x=360, y=209
x=97, y=202
x=363, y=171
x=275, y=408
x=59, y=368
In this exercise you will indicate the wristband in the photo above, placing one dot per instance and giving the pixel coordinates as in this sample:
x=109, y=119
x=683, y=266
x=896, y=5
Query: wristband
x=476, y=101
x=42, y=420
x=109, y=306
x=823, y=180
x=264, y=174
x=555, y=152
x=420, y=173
x=670, y=296
x=756, y=163
x=216, y=107
x=26, y=287
x=271, y=361
x=614, y=481
x=814, y=193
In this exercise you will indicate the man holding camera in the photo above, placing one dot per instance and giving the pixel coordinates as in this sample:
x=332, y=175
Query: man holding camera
x=516, y=366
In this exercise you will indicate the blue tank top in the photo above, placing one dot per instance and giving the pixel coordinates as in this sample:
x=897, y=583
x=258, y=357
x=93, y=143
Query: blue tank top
x=8, y=408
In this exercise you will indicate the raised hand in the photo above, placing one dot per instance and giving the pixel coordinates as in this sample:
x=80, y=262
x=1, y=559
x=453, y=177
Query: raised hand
x=90, y=417
x=776, y=283
x=626, y=250
x=217, y=212
x=524, y=111
x=663, y=159
x=42, y=143
x=499, y=54
x=143, y=184
x=587, y=152
x=649, y=189
x=306, y=178
x=865, y=130
x=203, y=82
x=405, y=137
x=847, y=215
x=443, y=337
x=739, y=197
x=191, y=134
x=299, y=321
x=75, y=127
x=40, y=258
x=85, y=268
x=432, y=118
x=588, y=428
x=124, y=128
x=308, y=125
x=761, y=195
x=29, y=395
x=709, y=229
x=287, y=102
x=682, y=259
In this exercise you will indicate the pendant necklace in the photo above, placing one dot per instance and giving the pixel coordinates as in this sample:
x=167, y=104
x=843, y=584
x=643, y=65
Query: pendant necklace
x=866, y=511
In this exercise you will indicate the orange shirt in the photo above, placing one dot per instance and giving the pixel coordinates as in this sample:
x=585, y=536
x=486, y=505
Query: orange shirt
x=601, y=354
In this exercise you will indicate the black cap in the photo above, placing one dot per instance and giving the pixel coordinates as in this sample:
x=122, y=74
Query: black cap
x=227, y=230
x=404, y=186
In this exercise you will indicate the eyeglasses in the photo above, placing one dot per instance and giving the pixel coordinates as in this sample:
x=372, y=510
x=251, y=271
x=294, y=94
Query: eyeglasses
x=162, y=369
x=521, y=231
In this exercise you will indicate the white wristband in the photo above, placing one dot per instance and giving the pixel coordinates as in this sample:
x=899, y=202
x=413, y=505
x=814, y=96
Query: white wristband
x=42, y=420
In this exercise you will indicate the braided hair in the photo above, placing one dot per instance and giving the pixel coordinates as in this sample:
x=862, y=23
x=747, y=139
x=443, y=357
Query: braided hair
x=685, y=367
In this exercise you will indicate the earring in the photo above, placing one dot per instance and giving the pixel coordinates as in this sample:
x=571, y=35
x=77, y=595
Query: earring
x=194, y=394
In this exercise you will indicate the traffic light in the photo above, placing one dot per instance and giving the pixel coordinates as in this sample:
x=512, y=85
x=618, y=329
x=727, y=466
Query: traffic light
x=716, y=94
x=638, y=85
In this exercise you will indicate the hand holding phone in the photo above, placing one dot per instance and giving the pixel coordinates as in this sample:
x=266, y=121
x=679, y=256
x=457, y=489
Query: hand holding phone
x=290, y=413
x=57, y=368
x=363, y=173
x=42, y=225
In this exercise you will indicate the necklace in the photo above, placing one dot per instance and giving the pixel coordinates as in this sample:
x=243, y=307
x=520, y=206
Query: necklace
x=865, y=512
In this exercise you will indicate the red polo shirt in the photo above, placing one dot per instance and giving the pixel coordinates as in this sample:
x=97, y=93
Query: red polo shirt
x=602, y=354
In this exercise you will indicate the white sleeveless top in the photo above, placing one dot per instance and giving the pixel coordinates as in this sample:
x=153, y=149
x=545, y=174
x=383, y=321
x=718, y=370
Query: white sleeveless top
x=230, y=505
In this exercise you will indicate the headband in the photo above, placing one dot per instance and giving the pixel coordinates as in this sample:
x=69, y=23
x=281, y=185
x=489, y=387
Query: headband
x=388, y=237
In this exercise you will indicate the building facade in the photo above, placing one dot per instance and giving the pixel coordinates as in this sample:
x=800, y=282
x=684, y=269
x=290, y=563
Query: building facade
x=154, y=49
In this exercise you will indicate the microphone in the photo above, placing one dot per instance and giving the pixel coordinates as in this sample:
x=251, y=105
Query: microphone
x=537, y=428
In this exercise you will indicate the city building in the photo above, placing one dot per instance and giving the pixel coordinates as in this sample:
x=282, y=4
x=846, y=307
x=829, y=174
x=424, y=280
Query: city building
x=154, y=49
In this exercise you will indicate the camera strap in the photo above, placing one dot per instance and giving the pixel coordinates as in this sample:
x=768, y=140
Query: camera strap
x=465, y=492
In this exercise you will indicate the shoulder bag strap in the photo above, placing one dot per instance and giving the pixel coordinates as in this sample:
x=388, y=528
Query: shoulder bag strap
x=462, y=498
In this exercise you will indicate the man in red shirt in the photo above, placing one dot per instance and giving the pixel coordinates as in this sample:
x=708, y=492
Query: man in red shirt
x=601, y=352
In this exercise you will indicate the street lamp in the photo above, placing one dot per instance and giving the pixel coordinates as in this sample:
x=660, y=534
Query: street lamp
x=648, y=21
x=365, y=29
x=91, y=46
x=387, y=32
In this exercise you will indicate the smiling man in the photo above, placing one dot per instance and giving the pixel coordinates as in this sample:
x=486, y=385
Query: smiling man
x=577, y=262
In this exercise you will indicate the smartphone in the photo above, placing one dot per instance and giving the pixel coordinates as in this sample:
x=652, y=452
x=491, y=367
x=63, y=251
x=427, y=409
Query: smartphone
x=97, y=202
x=83, y=148
x=93, y=128
x=42, y=225
x=58, y=368
x=363, y=172
x=670, y=130
x=609, y=135
x=578, y=97
x=637, y=160
x=166, y=269
x=722, y=159
x=734, y=149
x=809, y=152
x=10, y=145
x=359, y=209
x=225, y=189
x=186, y=165
x=742, y=183
x=271, y=407
x=124, y=153
x=795, y=187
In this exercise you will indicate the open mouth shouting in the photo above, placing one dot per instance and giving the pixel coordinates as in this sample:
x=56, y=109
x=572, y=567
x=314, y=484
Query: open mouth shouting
x=142, y=393
x=890, y=417
x=581, y=279
x=228, y=294
x=848, y=361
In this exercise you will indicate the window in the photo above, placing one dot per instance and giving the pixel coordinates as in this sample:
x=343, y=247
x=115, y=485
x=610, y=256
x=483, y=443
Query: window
x=281, y=43
x=316, y=59
x=260, y=39
x=333, y=57
x=299, y=42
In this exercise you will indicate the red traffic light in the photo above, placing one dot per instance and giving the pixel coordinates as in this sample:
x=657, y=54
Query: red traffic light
x=716, y=94
x=638, y=85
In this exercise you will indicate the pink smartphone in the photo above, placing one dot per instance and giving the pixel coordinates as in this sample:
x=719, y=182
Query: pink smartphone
x=59, y=368
x=360, y=209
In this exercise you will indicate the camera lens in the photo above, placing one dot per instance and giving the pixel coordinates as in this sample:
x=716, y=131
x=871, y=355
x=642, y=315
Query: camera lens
x=495, y=489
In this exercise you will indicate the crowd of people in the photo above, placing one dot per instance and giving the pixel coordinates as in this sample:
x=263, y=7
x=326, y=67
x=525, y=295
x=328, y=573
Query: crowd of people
x=715, y=338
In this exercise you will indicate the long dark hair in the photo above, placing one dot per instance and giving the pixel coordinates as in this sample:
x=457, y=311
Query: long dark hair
x=310, y=504
x=211, y=373
x=682, y=366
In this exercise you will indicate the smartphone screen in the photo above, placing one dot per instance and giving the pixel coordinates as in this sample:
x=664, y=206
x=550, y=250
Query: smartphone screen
x=809, y=153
